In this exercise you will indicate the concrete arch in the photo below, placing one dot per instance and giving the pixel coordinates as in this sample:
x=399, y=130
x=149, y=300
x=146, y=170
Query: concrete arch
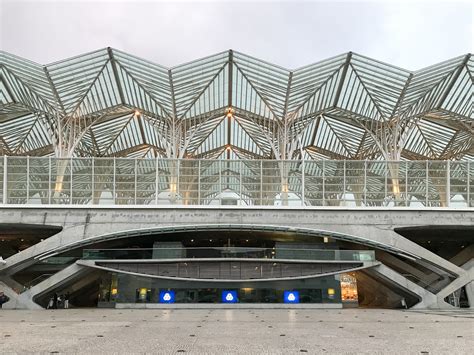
x=370, y=227
x=83, y=225
x=227, y=227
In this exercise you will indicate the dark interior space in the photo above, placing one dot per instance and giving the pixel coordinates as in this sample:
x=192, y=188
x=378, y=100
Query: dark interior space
x=83, y=291
x=375, y=291
x=446, y=241
x=15, y=237
x=207, y=239
x=192, y=239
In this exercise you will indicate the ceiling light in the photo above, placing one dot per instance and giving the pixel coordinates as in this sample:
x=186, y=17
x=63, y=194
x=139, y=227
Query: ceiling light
x=230, y=112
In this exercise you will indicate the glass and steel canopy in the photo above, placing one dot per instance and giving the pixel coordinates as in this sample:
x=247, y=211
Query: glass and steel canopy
x=229, y=105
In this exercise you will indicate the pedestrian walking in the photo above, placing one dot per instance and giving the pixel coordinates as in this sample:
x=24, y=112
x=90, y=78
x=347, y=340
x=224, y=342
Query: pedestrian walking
x=66, y=300
x=404, y=303
x=50, y=303
x=55, y=301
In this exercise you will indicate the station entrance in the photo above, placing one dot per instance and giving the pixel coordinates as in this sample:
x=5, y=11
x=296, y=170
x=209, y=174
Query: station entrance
x=223, y=269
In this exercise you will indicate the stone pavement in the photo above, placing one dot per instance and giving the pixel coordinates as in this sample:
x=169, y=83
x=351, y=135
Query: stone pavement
x=227, y=331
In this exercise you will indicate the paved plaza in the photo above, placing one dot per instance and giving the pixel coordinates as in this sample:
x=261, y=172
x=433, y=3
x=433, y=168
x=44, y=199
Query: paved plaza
x=225, y=331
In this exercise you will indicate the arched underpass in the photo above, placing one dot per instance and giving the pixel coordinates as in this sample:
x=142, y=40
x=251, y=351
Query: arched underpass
x=413, y=270
x=314, y=265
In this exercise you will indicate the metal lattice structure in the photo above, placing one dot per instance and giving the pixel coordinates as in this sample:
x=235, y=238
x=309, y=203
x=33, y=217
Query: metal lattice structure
x=231, y=106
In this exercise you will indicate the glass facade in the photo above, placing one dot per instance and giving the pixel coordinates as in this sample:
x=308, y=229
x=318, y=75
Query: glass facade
x=125, y=288
x=289, y=252
x=123, y=181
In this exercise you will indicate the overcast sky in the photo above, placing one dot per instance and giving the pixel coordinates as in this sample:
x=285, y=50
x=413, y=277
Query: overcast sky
x=409, y=34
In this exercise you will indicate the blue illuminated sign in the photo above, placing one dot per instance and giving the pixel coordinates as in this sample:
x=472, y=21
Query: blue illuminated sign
x=229, y=296
x=291, y=296
x=167, y=296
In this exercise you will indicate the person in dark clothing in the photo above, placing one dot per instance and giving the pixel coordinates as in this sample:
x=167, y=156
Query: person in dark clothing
x=55, y=301
x=66, y=300
x=3, y=299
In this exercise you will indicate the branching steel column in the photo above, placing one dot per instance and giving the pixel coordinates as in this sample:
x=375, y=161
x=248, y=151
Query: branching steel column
x=230, y=74
x=230, y=79
x=91, y=91
x=56, y=129
x=172, y=137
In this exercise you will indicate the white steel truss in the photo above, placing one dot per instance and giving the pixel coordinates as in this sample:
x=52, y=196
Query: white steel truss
x=231, y=106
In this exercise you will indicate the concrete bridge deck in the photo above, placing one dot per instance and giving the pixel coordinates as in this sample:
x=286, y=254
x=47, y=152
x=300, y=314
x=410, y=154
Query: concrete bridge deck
x=85, y=225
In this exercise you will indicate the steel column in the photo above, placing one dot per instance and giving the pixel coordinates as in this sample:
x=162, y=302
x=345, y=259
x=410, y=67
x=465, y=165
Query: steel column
x=49, y=181
x=220, y=182
x=5, y=179
x=178, y=161
x=427, y=182
x=135, y=183
x=344, y=181
x=261, y=182
x=156, y=181
x=324, y=183
x=113, y=184
x=406, y=184
x=70, y=181
x=27, y=178
x=468, y=184
x=448, y=184
x=93, y=180
x=240, y=181
x=365, y=184
x=199, y=182
x=302, y=182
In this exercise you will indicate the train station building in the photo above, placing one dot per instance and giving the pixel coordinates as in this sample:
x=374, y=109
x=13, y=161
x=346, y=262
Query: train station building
x=232, y=182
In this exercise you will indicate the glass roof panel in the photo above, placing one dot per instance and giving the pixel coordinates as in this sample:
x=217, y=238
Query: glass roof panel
x=110, y=103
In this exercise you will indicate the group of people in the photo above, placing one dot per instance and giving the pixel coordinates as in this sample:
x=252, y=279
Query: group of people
x=58, y=301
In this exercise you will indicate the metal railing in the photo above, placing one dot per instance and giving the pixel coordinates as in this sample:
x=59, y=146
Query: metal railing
x=124, y=181
x=232, y=270
x=228, y=252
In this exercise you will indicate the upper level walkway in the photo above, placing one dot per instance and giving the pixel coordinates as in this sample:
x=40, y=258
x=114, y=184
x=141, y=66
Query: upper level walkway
x=139, y=182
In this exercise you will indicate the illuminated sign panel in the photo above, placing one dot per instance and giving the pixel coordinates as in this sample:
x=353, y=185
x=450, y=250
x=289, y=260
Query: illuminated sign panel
x=167, y=297
x=291, y=297
x=229, y=296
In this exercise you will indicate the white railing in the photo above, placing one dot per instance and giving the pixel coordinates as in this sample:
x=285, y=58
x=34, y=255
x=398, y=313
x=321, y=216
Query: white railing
x=124, y=181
